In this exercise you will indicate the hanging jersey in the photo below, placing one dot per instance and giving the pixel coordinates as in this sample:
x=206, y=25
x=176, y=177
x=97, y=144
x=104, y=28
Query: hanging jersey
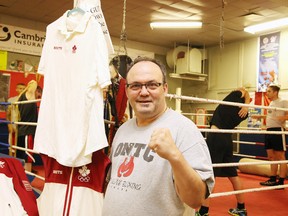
x=73, y=191
x=75, y=65
x=16, y=194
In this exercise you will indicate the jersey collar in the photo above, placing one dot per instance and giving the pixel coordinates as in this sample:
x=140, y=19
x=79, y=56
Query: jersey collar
x=80, y=28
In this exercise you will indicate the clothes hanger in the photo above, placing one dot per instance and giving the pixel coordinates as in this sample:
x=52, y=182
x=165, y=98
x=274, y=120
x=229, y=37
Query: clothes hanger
x=75, y=10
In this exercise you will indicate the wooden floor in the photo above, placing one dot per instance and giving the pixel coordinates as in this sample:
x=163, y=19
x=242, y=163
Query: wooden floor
x=263, y=203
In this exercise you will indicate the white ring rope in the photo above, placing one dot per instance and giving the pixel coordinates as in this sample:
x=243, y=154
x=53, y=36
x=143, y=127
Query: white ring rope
x=224, y=102
x=243, y=131
x=213, y=195
x=249, y=128
x=25, y=123
x=248, y=143
x=214, y=165
x=38, y=100
x=109, y=122
x=35, y=123
x=251, y=156
x=26, y=102
x=33, y=174
x=197, y=114
x=24, y=149
x=247, y=191
x=249, y=163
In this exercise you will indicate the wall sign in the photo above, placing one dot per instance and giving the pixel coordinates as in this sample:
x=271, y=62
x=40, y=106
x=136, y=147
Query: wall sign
x=21, y=40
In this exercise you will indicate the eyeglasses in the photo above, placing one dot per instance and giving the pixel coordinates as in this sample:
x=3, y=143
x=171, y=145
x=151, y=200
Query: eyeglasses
x=138, y=86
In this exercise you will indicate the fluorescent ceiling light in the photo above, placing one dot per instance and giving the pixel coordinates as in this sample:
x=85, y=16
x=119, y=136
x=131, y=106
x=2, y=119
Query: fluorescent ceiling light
x=266, y=26
x=192, y=24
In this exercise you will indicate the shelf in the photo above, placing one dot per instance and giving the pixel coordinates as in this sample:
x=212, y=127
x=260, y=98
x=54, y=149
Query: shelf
x=190, y=76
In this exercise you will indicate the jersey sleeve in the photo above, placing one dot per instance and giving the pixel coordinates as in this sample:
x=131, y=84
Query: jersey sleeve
x=42, y=63
x=102, y=61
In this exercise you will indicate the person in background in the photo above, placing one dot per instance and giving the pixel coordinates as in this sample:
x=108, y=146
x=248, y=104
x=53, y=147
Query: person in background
x=275, y=144
x=12, y=114
x=221, y=145
x=38, y=95
x=160, y=159
x=28, y=113
x=38, y=92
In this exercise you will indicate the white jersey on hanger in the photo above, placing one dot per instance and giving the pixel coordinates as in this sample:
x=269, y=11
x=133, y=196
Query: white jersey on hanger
x=75, y=65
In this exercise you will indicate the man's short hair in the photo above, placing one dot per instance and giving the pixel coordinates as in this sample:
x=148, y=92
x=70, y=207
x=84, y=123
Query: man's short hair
x=275, y=87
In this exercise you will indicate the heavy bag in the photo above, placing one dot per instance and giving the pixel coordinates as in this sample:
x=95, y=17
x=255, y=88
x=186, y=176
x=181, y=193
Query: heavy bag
x=121, y=64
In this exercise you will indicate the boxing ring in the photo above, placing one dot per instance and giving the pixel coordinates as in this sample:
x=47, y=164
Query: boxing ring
x=250, y=164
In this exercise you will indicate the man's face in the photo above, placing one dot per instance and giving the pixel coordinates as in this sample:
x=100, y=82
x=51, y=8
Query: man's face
x=270, y=93
x=38, y=94
x=19, y=88
x=146, y=102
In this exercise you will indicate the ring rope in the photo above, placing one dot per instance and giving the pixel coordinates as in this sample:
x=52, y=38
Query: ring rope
x=197, y=114
x=26, y=102
x=223, y=102
x=243, y=131
x=20, y=102
x=249, y=163
x=24, y=149
x=5, y=103
x=251, y=156
x=213, y=195
x=28, y=150
x=35, y=123
x=214, y=165
x=249, y=128
x=33, y=174
x=20, y=148
x=25, y=123
x=249, y=143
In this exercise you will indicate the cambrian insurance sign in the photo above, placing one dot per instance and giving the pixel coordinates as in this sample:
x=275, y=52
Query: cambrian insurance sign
x=21, y=40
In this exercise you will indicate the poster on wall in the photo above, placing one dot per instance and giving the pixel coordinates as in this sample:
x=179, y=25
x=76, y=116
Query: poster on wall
x=21, y=40
x=3, y=60
x=268, y=60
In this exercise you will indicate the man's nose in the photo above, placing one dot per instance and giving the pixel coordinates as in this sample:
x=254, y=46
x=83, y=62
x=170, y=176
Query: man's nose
x=144, y=90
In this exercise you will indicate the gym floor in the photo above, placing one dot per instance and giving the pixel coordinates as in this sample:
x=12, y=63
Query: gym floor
x=262, y=203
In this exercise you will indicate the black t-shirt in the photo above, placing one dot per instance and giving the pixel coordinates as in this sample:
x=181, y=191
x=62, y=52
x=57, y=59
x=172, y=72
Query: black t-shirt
x=28, y=113
x=226, y=116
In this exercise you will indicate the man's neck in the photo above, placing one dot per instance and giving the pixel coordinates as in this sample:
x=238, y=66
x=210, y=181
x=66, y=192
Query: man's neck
x=142, y=122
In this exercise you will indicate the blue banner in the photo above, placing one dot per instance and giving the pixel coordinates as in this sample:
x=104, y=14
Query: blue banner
x=268, y=60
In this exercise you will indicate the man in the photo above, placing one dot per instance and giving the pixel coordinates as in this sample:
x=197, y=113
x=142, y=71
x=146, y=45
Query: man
x=221, y=145
x=275, y=144
x=159, y=158
x=38, y=92
x=28, y=113
x=12, y=114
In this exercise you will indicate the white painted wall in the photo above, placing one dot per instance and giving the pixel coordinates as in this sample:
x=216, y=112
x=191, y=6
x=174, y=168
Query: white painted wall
x=231, y=67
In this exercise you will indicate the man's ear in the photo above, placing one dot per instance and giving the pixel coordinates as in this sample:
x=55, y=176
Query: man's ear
x=165, y=86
